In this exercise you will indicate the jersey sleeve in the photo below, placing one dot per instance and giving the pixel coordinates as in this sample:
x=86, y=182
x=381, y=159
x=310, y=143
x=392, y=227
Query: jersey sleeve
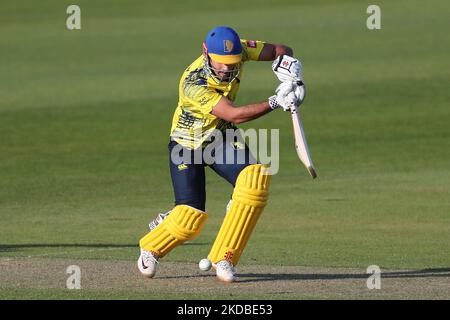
x=251, y=49
x=201, y=99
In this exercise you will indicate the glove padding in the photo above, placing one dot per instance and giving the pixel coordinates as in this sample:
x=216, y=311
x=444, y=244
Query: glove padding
x=285, y=96
x=287, y=68
x=300, y=93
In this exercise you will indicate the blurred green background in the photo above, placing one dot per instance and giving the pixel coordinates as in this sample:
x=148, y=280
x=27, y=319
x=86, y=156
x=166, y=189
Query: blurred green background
x=85, y=116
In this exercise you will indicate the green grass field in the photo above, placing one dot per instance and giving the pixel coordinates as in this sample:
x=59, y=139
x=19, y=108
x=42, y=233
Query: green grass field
x=85, y=116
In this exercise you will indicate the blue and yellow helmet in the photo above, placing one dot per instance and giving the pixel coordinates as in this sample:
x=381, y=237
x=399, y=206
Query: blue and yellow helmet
x=223, y=45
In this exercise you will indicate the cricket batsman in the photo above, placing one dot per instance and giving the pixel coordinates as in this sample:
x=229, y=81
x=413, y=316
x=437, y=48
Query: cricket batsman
x=207, y=91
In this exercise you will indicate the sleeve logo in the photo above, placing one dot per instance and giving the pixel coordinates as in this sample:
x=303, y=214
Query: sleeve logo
x=251, y=43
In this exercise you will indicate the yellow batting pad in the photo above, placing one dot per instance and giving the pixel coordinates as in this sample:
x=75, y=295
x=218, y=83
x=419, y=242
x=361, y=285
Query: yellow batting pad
x=182, y=224
x=249, y=199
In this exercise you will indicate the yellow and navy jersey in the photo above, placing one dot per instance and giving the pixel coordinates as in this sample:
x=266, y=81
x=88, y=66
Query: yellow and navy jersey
x=192, y=121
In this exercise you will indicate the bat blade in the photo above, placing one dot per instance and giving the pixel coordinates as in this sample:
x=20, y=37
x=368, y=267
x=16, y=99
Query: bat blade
x=301, y=145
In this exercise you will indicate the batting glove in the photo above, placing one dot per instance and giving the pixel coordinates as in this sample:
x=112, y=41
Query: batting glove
x=287, y=68
x=300, y=93
x=284, y=98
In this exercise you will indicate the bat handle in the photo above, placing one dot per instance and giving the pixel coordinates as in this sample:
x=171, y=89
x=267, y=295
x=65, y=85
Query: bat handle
x=293, y=109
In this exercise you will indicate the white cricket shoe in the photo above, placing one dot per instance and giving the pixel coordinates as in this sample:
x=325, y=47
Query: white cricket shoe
x=147, y=263
x=159, y=218
x=225, y=271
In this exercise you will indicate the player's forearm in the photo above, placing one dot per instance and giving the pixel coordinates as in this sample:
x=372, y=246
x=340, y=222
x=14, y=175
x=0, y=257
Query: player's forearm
x=272, y=51
x=282, y=49
x=251, y=111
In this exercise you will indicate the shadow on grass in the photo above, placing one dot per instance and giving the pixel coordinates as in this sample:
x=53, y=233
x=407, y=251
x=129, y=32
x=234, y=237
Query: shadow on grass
x=432, y=272
x=14, y=247
x=18, y=247
x=256, y=277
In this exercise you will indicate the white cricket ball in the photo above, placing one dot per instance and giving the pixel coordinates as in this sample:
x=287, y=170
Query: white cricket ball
x=205, y=265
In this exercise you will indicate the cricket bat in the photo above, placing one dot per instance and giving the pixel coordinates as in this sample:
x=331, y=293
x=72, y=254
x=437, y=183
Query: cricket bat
x=300, y=142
